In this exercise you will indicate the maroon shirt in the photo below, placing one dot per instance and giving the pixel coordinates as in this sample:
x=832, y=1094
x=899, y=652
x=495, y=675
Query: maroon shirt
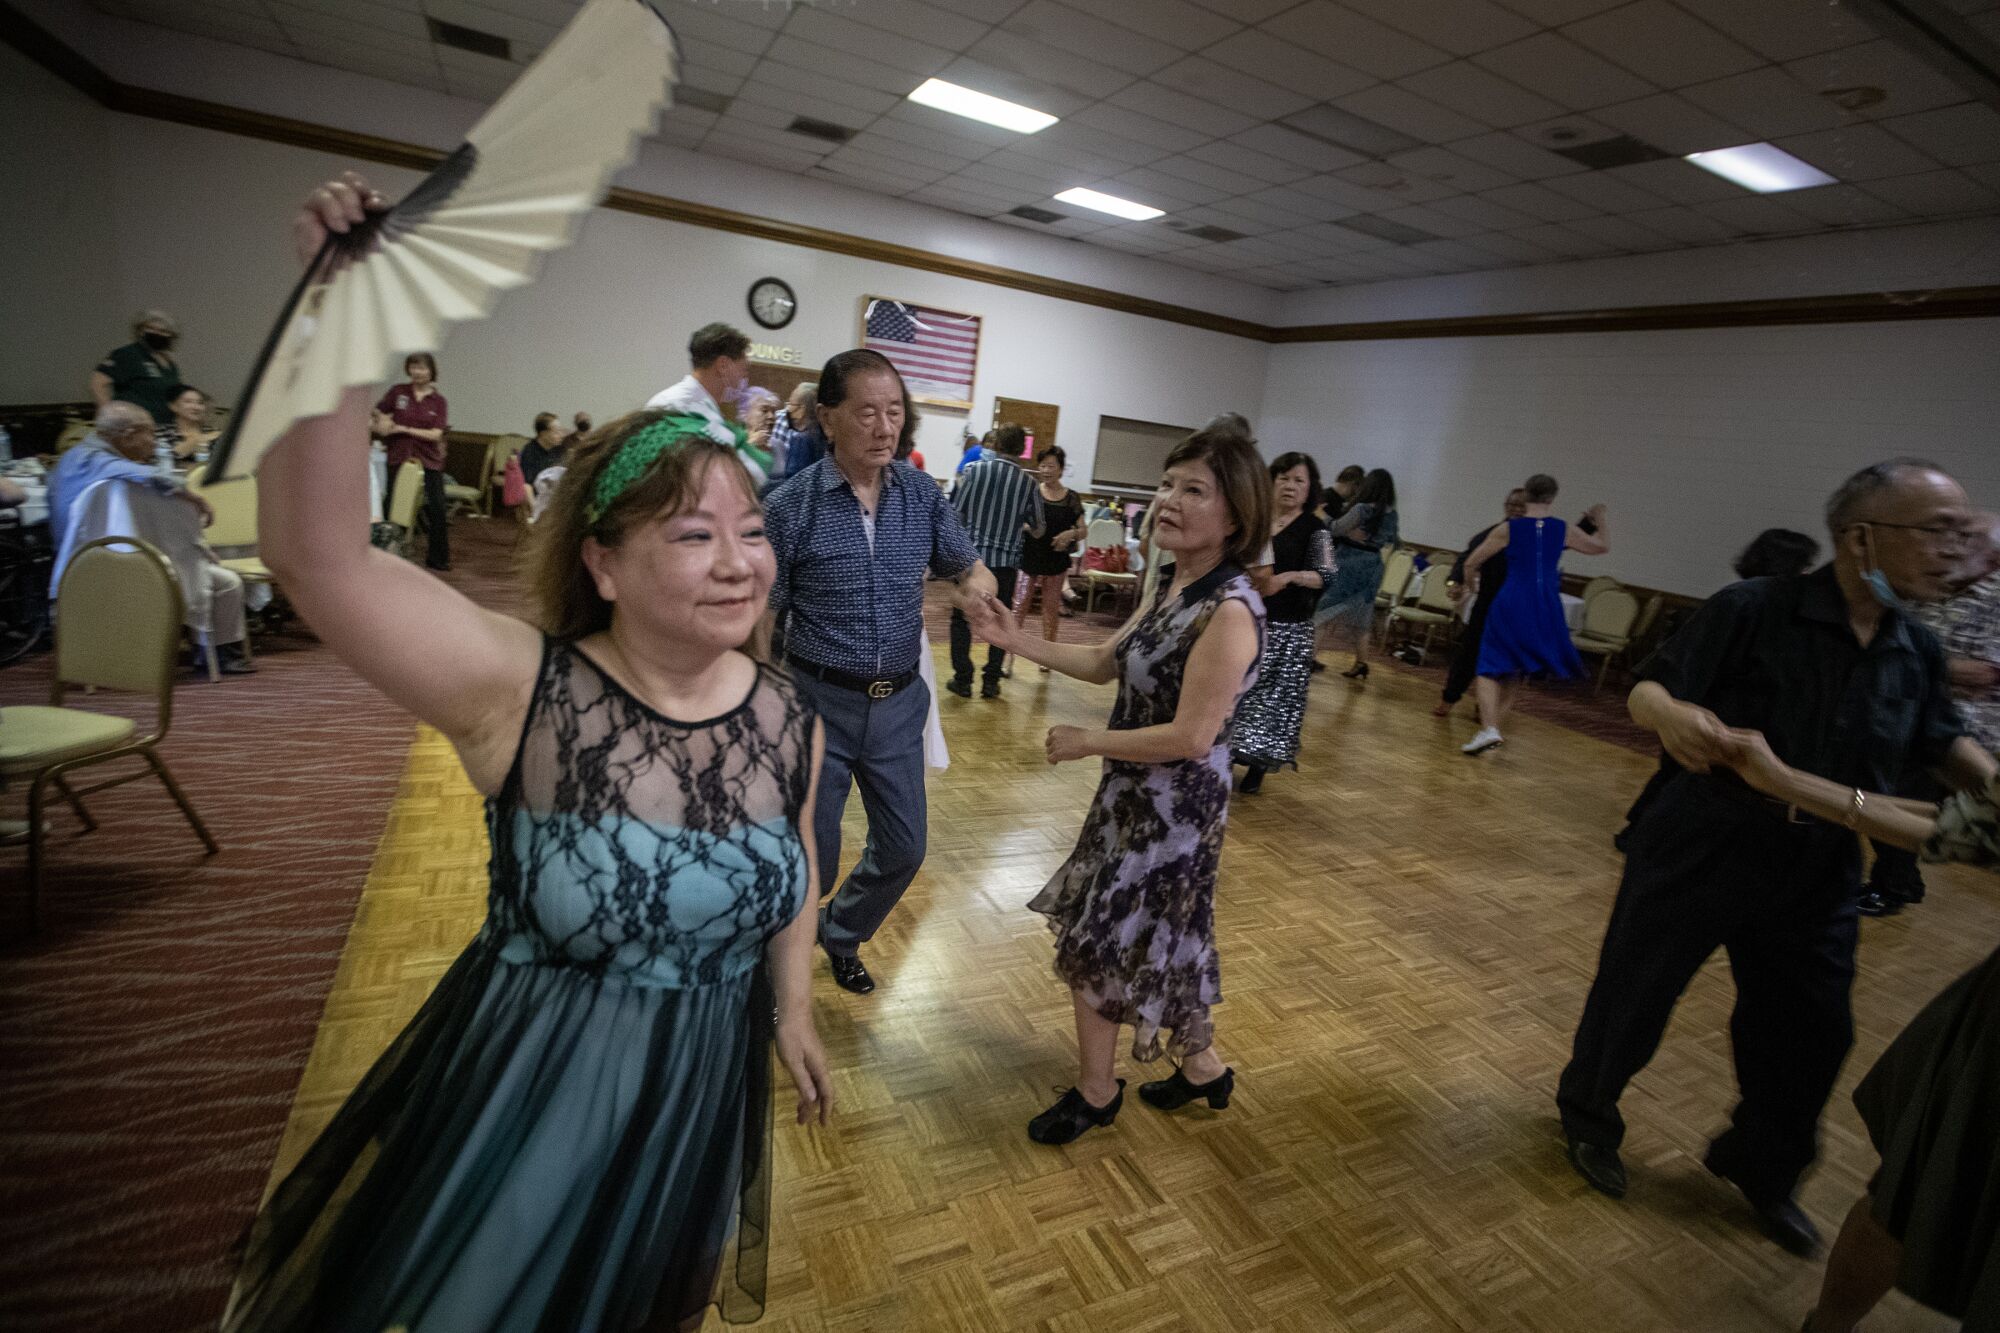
x=406, y=409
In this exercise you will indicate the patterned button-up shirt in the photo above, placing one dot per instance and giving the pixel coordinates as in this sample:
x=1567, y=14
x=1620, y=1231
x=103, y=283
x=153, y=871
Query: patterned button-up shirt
x=1968, y=625
x=856, y=595
x=995, y=498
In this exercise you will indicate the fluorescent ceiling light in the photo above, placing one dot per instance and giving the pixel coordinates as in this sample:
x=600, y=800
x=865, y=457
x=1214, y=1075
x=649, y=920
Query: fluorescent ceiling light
x=1109, y=203
x=979, y=106
x=1761, y=167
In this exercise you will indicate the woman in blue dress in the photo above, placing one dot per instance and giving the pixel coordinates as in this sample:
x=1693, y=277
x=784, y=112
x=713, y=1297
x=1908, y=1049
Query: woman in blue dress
x=1360, y=535
x=1526, y=632
x=573, y=1133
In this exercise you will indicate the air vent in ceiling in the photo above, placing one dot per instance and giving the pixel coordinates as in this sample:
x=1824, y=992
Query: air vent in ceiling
x=1033, y=214
x=1384, y=229
x=1344, y=129
x=1622, y=151
x=470, y=39
x=824, y=130
x=700, y=99
x=1203, y=232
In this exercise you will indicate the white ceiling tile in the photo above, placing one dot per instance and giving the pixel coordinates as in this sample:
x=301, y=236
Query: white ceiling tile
x=1566, y=241
x=1138, y=128
x=816, y=95
x=1070, y=227
x=1622, y=232
x=1187, y=26
x=958, y=201
x=1768, y=102
x=1247, y=11
x=880, y=182
x=1559, y=69
x=1034, y=62
x=372, y=25
x=1449, y=169
x=1456, y=256
x=1935, y=193
x=1604, y=192
x=943, y=131
x=1289, y=145
x=1677, y=182
x=1075, y=158
x=1267, y=215
x=996, y=198
x=1342, y=35
x=1986, y=173
x=1911, y=84
x=1684, y=225
x=1484, y=213
x=1218, y=215
x=1201, y=77
x=1844, y=206
x=1177, y=108
x=1061, y=28
x=1857, y=153
x=985, y=11
x=1294, y=200
x=697, y=53
x=759, y=151
x=882, y=145
x=1287, y=64
x=1656, y=41
x=1428, y=218
x=997, y=81
x=912, y=174
x=692, y=18
x=857, y=72
x=1016, y=169
x=1783, y=29
x=1400, y=109
x=1347, y=195
x=480, y=18
x=712, y=80
x=1462, y=27
x=844, y=39
x=1757, y=215
x=1671, y=124
x=1397, y=185
x=1157, y=186
x=1074, y=134
x=1481, y=94
x=1515, y=156
x=921, y=22
x=1513, y=247
x=755, y=111
x=1538, y=201
x=1235, y=157
x=1555, y=13
x=1208, y=173
x=1957, y=136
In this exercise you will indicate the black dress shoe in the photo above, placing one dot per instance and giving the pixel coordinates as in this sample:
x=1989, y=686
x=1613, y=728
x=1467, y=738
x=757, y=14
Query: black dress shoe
x=849, y=974
x=1875, y=903
x=1778, y=1217
x=1072, y=1115
x=989, y=689
x=961, y=688
x=1170, y=1094
x=1599, y=1166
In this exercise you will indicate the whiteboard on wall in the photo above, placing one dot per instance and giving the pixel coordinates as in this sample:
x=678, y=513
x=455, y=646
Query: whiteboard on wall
x=1133, y=453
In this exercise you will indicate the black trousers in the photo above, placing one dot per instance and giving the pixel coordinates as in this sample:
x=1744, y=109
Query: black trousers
x=438, y=550
x=1704, y=871
x=961, y=634
x=1465, y=661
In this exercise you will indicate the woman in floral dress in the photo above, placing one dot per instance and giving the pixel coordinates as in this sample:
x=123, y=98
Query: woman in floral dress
x=1133, y=907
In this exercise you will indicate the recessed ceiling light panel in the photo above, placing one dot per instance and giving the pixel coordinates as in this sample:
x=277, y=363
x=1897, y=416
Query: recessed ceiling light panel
x=981, y=107
x=1109, y=203
x=1761, y=167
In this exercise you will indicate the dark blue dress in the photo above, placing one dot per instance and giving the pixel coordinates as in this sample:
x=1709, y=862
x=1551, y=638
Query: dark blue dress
x=574, y=1132
x=1526, y=634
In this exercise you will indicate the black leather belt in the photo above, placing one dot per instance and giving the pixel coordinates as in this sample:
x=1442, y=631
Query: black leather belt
x=875, y=687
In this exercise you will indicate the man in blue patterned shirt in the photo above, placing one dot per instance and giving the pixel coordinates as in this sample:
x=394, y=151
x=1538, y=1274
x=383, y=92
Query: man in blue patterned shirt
x=996, y=499
x=854, y=535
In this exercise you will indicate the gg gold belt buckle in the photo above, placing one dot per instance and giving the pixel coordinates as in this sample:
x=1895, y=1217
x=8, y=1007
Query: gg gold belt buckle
x=879, y=689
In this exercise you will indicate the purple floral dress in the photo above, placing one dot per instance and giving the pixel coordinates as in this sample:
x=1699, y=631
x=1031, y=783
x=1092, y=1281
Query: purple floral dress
x=1133, y=909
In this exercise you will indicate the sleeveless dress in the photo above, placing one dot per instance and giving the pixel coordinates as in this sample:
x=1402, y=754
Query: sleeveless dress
x=574, y=1132
x=1526, y=634
x=1133, y=909
x=1932, y=1108
x=1266, y=731
x=1039, y=556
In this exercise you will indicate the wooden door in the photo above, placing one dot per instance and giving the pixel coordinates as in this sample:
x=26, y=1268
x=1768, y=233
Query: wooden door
x=1038, y=418
x=780, y=380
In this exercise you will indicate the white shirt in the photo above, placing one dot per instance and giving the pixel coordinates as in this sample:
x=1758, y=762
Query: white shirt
x=687, y=395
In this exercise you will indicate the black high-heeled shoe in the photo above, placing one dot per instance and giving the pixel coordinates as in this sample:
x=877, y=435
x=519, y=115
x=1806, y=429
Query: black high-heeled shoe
x=1359, y=671
x=1072, y=1115
x=1171, y=1094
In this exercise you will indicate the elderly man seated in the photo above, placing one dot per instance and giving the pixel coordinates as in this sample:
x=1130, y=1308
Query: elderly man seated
x=118, y=452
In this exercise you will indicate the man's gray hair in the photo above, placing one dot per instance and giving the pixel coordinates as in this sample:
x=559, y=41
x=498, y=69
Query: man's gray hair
x=1844, y=506
x=117, y=418
x=159, y=317
x=807, y=392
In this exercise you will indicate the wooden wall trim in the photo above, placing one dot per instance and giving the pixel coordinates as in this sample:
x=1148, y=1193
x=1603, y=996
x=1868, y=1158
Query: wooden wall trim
x=49, y=51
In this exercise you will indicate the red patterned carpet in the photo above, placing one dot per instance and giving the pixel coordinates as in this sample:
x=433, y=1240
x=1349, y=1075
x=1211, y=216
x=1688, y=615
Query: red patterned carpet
x=153, y=1032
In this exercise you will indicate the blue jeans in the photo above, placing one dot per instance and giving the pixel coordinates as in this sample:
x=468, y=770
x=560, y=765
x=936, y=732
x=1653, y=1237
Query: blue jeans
x=879, y=744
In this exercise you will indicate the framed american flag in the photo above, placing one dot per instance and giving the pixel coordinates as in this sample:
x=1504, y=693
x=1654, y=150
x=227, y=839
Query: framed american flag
x=937, y=351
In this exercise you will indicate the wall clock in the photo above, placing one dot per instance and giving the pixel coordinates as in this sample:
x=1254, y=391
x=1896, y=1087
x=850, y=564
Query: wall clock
x=772, y=302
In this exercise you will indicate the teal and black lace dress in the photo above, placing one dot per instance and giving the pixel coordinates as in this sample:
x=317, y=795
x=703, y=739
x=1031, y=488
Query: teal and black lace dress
x=574, y=1131
x=1932, y=1106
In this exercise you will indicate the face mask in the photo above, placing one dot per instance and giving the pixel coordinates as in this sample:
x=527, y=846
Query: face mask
x=1878, y=582
x=159, y=342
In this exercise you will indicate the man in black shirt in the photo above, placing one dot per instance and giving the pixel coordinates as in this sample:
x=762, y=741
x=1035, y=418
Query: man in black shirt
x=545, y=450
x=1844, y=685
x=1339, y=497
x=1465, y=660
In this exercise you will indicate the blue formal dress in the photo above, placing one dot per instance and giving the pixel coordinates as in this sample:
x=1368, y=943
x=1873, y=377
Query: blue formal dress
x=573, y=1133
x=1526, y=634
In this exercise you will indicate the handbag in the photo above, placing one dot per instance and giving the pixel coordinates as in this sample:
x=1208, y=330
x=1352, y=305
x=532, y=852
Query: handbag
x=513, y=483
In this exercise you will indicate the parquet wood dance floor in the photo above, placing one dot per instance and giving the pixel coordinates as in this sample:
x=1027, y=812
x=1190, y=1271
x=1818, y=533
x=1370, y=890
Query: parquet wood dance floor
x=1406, y=938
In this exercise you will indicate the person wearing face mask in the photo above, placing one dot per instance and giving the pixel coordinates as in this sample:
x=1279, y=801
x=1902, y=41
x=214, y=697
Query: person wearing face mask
x=1844, y=683
x=719, y=357
x=143, y=371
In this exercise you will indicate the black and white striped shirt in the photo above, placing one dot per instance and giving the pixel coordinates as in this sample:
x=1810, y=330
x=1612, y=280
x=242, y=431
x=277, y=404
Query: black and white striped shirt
x=995, y=498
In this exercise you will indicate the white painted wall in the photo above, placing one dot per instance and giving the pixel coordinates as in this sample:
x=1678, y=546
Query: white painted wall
x=1696, y=439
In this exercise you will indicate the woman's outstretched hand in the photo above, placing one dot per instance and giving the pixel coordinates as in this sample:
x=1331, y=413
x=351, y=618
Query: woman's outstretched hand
x=334, y=208
x=992, y=621
x=805, y=1061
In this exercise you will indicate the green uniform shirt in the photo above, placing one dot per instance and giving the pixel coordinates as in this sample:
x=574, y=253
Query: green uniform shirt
x=137, y=377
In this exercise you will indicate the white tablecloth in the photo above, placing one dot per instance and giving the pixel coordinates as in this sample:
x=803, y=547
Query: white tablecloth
x=1573, y=611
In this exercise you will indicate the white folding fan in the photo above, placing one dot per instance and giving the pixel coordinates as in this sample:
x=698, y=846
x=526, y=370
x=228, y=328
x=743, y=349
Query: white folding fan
x=539, y=159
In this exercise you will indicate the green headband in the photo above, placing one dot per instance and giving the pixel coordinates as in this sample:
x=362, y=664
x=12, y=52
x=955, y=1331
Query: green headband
x=643, y=448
